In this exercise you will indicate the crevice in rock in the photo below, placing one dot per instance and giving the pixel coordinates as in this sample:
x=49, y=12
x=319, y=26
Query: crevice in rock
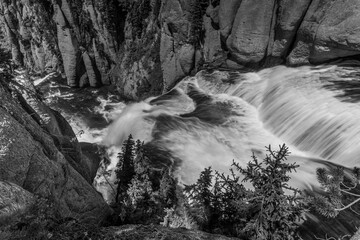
x=296, y=30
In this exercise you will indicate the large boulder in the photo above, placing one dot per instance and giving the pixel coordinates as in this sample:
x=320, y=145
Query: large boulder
x=329, y=31
x=250, y=35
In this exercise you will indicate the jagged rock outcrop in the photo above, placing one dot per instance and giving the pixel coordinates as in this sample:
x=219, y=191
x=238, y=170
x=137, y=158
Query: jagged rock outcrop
x=31, y=158
x=60, y=130
x=145, y=46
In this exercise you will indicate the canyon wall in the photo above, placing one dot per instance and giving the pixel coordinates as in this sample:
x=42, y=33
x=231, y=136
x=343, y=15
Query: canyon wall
x=145, y=46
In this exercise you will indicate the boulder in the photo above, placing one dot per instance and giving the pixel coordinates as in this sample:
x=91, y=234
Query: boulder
x=329, y=31
x=227, y=13
x=250, y=34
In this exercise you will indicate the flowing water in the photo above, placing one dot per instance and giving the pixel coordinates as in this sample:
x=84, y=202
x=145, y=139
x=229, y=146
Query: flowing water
x=220, y=116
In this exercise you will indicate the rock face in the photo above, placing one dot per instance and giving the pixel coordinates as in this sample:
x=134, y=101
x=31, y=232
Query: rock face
x=250, y=34
x=329, y=31
x=145, y=46
x=13, y=200
x=33, y=158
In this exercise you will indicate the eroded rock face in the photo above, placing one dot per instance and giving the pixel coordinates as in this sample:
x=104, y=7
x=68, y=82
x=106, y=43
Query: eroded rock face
x=145, y=46
x=30, y=158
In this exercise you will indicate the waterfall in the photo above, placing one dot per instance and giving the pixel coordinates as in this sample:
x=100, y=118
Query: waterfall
x=220, y=116
x=216, y=117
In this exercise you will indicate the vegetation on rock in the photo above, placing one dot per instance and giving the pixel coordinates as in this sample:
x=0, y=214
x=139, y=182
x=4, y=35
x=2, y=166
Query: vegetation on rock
x=198, y=9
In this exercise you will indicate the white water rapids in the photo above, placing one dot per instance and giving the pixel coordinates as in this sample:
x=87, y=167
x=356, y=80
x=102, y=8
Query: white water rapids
x=218, y=116
x=236, y=114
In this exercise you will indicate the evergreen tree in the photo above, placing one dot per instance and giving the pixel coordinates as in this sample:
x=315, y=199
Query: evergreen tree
x=223, y=205
x=140, y=190
x=125, y=167
x=278, y=213
x=341, y=191
x=167, y=189
x=200, y=195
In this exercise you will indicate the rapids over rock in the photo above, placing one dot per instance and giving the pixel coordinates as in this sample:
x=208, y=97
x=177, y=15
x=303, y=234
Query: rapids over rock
x=218, y=116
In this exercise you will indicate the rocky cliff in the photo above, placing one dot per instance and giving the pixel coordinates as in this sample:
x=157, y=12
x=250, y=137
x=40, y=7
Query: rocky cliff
x=39, y=155
x=145, y=46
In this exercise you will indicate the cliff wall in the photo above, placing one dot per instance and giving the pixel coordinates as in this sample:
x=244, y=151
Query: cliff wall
x=145, y=46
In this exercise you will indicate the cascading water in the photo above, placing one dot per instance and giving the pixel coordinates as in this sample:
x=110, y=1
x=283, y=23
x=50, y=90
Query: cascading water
x=220, y=116
x=228, y=115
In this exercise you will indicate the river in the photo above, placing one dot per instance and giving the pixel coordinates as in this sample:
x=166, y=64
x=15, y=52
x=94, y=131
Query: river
x=216, y=117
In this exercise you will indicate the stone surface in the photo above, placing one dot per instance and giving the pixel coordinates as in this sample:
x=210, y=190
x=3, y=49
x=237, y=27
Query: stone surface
x=329, y=31
x=227, y=13
x=14, y=200
x=212, y=50
x=30, y=158
x=250, y=34
x=289, y=17
x=68, y=45
x=176, y=56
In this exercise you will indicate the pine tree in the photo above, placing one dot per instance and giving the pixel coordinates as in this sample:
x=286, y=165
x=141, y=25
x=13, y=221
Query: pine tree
x=341, y=191
x=140, y=189
x=200, y=195
x=167, y=189
x=125, y=167
x=278, y=213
